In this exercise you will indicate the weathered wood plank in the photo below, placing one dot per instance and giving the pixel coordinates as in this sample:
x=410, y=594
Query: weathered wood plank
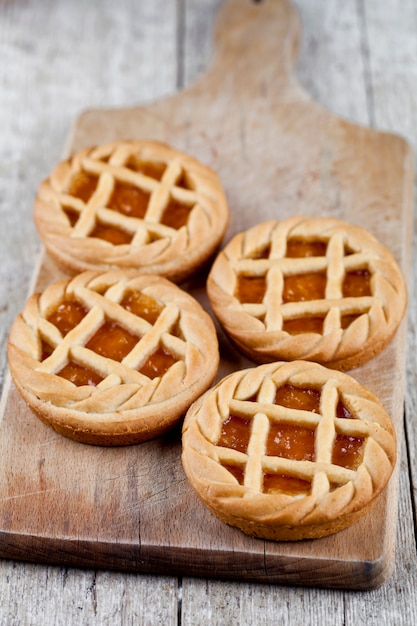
x=37, y=595
x=330, y=63
x=392, y=58
x=58, y=58
x=392, y=52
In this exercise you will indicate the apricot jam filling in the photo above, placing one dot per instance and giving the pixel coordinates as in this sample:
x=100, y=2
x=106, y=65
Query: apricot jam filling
x=298, y=398
x=357, y=284
x=348, y=451
x=235, y=433
x=282, y=483
x=46, y=350
x=347, y=320
x=112, y=341
x=343, y=412
x=67, y=315
x=79, y=374
x=303, y=287
x=83, y=185
x=109, y=233
x=250, y=289
x=290, y=442
x=175, y=214
x=184, y=182
x=176, y=330
x=141, y=305
x=297, y=248
x=237, y=471
x=71, y=214
x=261, y=253
x=152, y=169
x=129, y=200
x=303, y=325
x=158, y=363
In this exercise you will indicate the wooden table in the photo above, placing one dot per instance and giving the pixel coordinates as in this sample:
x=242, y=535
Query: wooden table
x=359, y=60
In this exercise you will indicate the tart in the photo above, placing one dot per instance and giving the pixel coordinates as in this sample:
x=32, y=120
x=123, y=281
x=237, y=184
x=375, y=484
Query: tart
x=132, y=204
x=308, y=288
x=112, y=358
x=288, y=451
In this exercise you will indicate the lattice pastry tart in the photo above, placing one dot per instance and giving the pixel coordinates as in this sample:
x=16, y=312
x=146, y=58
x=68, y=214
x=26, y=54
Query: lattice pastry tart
x=112, y=358
x=288, y=451
x=308, y=288
x=132, y=204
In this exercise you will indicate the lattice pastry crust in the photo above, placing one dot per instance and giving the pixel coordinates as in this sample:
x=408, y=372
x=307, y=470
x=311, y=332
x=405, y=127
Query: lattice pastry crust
x=132, y=204
x=112, y=358
x=308, y=288
x=288, y=451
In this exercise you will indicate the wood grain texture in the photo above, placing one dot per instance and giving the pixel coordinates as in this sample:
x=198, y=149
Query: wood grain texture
x=338, y=65
x=58, y=58
x=279, y=154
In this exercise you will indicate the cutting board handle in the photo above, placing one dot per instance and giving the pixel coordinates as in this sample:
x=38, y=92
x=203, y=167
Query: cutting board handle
x=255, y=45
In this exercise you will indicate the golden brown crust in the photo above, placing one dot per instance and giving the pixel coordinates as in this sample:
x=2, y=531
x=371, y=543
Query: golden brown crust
x=354, y=329
x=125, y=405
x=67, y=220
x=336, y=490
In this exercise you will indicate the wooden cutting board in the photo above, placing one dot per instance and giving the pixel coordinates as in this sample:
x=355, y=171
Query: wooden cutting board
x=278, y=153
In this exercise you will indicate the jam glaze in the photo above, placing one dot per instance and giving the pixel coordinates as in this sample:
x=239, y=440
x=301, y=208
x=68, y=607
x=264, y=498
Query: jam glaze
x=342, y=411
x=46, y=350
x=304, y=287
x=262, y=253
x=83, y=185
x=141, y=305
x=67, y=315
x=235, y=433
x=79, y=374
x=347, y=320
x=298, y=398
x=251, y=289
x=184, y=182
x=298, y=248
x=300, y=325
x=357, y=284
x=290, y=442
x=282, y=483
x=112, y=341
x=152, y=169
x=110, y=233
x=129, y=200
x=175, y=214
x=237, y=471
x=158, y=363
x=348, y=451
x=72, y=215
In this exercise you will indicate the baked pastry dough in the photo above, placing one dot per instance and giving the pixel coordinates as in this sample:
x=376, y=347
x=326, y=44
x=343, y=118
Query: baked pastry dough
x=112, y=358
x=288, y=451
x=132, y=204
x=308, y=288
